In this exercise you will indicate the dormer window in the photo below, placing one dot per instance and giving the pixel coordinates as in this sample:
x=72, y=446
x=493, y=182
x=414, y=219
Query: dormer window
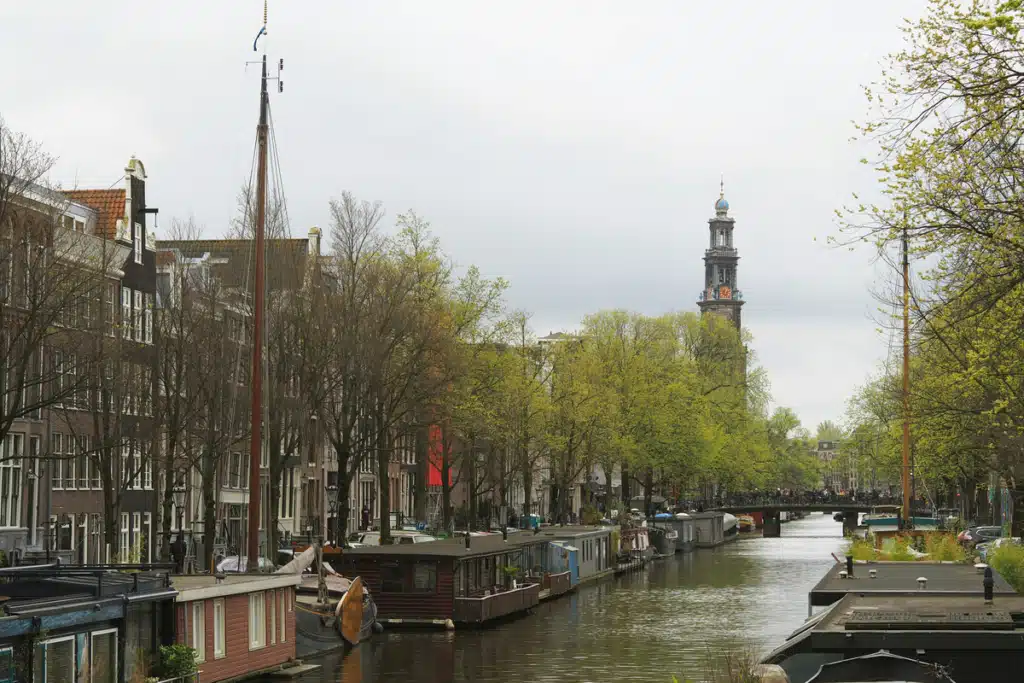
x=138, y=242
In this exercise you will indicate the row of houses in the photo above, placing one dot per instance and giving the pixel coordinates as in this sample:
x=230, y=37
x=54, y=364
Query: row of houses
x=82, y=470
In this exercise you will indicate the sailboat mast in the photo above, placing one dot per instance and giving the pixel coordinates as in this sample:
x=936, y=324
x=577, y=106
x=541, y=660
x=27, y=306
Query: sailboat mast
x=256, y=424
x=906, y=379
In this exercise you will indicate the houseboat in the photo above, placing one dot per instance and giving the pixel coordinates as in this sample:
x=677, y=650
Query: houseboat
x=886, y=518
x=468, y=581
x=82, y=623
x=972, y=639
x=940, y=580
x=709, y=528
x=597, y=547
x=239, y=624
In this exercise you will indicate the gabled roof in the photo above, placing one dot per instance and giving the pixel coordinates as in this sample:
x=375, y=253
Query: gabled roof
x=108, y=203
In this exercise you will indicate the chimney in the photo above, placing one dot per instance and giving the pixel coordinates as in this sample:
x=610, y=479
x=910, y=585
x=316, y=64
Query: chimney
x=467, y=539
x=849, y=565
x=988, y=582
x=313, y=248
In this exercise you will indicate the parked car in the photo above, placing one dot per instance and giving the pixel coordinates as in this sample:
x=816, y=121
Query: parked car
x=979, y=534
x=232, y=564
x=985, y=549
x=398, y=537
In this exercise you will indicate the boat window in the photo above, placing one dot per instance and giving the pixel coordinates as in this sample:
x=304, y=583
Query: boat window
x=391, y=578
x=424, y=578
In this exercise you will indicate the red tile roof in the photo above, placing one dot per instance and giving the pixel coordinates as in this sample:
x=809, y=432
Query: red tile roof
x=109, y=204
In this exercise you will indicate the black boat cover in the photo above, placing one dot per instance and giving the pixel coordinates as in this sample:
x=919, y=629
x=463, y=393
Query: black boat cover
x=880, y=667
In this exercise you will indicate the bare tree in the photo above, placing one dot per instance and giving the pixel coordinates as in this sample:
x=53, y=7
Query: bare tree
x=52, y=283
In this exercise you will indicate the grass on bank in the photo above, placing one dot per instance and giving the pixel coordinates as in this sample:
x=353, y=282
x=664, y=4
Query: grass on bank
x=1008, y=560
x=935, y=548
x=724, y=667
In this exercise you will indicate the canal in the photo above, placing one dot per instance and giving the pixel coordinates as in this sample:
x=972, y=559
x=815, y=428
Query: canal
x=746, y=595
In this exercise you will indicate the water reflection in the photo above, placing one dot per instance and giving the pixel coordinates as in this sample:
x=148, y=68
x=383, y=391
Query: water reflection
x=644, y=627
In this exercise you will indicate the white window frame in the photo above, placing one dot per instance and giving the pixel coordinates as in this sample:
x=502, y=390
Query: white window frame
x=104, y=632
x=148, y=311
x=147, y=524
x=74, y=650
x=281, y=598
x=257, y=620
x=11, y=471
x=126, y=312
x=136, y=533
x=219, y=625
x=137, y=241
x=199, y=629
x=272, y=608
x=125, y=538
x=137, y=315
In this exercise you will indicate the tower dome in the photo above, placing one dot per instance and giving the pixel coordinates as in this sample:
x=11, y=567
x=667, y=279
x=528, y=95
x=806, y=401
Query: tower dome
x=722, y=205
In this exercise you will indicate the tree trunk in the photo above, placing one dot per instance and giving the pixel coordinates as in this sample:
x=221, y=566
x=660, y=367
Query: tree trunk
x=422, y=470
x=527, y=475
x=474, y=509
x=165, y=504
x=627, y=499
x=209, y=509
x=608, y=471
x=383, y=480
x=446, y=486
x=339, y=532
x=648, y=489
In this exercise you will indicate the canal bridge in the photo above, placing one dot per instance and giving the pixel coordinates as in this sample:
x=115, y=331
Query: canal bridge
x=772, y=519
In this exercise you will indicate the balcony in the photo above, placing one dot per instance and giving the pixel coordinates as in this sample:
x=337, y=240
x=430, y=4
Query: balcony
x=485, y=608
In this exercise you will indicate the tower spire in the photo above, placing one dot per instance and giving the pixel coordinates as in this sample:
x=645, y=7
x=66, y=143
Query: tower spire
x=721, y=293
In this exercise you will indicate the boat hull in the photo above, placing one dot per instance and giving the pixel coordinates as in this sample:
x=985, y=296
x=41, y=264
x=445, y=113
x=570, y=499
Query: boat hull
x=322, y=628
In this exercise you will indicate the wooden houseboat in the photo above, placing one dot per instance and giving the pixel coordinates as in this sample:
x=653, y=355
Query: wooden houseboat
x=239, y=624
x=81, y=623
x=471, y=581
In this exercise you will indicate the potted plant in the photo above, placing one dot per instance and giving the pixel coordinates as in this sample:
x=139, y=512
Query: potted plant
x=510, y=573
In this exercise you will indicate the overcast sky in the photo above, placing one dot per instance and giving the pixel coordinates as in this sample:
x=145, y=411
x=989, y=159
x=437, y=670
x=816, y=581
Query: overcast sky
x=572, y=147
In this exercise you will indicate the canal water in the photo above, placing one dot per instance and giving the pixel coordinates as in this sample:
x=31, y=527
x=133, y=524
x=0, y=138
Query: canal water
x=747, y=595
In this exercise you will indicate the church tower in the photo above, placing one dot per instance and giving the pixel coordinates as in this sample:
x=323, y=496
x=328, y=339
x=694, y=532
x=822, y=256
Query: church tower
x=721, y=294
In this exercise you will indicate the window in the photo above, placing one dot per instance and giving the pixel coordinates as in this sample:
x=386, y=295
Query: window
x=148, y=312
x=126, y=312
x=138, y=242
x=137, y=317
x=82, y=461
x=424, y=578
x=103, y=656
x=125, y=540
x=236, y=470
x=6, y=665
x=219, y=649
x=257, y=621
x=55, y=661
x=163, y=290
x=283, y=597
x=199, y=629
x=273, y=616
x=111, y=296
x=96, y=531
x=390, y=578
x=10, y=480
x=147, y=534
x=136, y=537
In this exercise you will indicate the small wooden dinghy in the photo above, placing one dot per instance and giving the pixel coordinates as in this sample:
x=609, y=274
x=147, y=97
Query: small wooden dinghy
x=349, y=612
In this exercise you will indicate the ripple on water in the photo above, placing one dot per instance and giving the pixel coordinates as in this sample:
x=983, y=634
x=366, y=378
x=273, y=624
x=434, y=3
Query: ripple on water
x=749, y=594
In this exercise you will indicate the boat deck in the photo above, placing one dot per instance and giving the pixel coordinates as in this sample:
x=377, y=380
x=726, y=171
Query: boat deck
x=900, y=578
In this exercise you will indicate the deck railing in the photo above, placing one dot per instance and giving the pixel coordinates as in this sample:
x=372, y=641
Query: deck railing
x=557, y=583
x=480, y=609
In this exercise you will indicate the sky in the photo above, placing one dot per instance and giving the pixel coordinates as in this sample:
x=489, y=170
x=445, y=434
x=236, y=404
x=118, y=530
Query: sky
x=573, y=147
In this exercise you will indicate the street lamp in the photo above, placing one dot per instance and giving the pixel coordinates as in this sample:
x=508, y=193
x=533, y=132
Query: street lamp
x=178, y=492
x=332, y=506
